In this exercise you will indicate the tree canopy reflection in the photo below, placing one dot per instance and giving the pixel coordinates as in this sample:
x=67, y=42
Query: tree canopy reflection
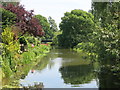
x=78, y=74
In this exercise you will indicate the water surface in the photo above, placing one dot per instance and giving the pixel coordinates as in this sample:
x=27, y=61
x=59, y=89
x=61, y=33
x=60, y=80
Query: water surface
x=62, y=69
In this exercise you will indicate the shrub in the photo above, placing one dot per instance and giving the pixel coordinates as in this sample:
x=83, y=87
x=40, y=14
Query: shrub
x=8, y=18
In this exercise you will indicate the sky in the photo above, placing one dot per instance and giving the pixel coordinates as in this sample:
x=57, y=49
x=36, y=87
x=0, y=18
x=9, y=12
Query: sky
x=55, y=8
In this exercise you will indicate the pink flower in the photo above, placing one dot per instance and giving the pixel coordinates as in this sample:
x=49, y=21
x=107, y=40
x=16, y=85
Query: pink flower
x=32, y=45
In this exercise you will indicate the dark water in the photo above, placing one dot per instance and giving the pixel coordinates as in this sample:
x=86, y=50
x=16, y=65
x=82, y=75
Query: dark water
x=63, y=69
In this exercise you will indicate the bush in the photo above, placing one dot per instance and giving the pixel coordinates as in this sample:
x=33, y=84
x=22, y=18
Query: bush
x=89, y=48
x=8, y=18
x=10, y=48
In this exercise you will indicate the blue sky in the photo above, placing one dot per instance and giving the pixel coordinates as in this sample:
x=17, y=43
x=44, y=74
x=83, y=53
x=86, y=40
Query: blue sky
x=55, y=8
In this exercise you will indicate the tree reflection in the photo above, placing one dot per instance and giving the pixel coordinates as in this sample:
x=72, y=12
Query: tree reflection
x=79, y=74
x=108, y=79
x=109, y=75
x=46, y=61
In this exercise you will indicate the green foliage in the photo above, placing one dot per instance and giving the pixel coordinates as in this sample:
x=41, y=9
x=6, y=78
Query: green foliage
x=55, y=38
x=7, y=35
x=88, y=48
x=32, y=40
x=76, y=27
x=6, y=69
x=4, y=3
x=12, y=59
x=107, y=34
x=105, y=39
x=11, y=56
x=46, y=27
x=9, y=44
x=27, y=57
x=9, y=48
x=53, y=25
x=8, y=18
x=33, y=53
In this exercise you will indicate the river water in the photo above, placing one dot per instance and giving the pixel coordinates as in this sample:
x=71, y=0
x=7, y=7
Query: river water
x=62, y=68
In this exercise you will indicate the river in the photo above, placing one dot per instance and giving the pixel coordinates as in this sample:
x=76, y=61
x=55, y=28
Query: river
x=63, y=68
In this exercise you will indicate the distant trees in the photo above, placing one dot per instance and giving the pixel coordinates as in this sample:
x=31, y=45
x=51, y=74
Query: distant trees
x=76, y=27
x=53, y=25
x=49, y=26
x=46, y=27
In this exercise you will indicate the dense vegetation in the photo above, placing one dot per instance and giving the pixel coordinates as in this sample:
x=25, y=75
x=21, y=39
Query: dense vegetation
x=20, y=39
x=76, y=27
x=96, y=33
x=105, y=41
x=25, y=20
x=49, y=26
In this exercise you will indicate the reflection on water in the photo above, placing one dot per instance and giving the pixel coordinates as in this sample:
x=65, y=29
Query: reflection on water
x=66, y=69
x=62, y=69
x=109, y=79
x=78, y=74
x=109, y=75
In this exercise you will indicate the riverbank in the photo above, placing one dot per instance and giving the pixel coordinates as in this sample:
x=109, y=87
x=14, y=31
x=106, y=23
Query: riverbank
x=28, y=60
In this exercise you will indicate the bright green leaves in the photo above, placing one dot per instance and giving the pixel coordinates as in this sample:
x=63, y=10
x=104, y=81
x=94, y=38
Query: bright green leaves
x=45, y=26
x=7, y=35
x=76, y=27
x=9, y=44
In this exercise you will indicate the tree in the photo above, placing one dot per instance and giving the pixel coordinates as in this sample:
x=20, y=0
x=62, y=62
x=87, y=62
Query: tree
x=53, y=25
x=108, y=29
x=46, y=26
x=8, y=18
x=25, y=20
x=76, y=27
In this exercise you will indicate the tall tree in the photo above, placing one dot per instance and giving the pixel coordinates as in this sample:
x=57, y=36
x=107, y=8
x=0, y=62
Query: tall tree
x=108, y=34
x=76, y=27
